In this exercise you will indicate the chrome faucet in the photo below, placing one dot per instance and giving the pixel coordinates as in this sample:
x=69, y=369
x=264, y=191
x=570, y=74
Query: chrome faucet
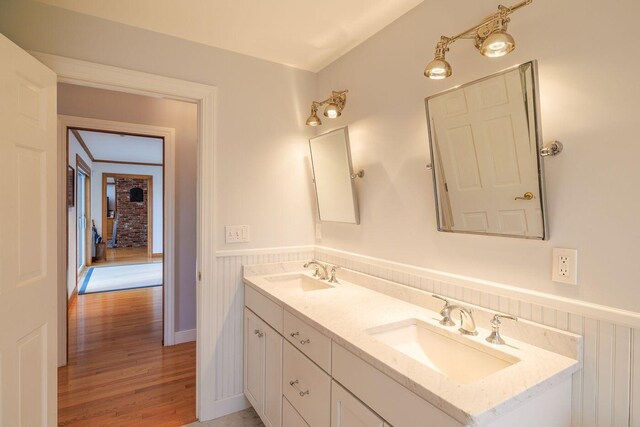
x=333, y=279
x=445, y=312
x=467, y=324
x=494, y=337
x=319, y=267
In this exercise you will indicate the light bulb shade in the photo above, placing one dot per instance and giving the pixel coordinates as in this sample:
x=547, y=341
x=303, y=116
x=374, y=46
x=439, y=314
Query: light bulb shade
x=313, y=120
x=438, y=69
x=497, y=44
x=332, y=111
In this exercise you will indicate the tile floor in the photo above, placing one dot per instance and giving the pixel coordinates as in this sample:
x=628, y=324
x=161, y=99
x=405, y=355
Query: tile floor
x=246, y=418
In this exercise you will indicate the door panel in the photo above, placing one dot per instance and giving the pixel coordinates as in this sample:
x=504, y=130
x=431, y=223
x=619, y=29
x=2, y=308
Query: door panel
x=28, y=218
x=254, y=360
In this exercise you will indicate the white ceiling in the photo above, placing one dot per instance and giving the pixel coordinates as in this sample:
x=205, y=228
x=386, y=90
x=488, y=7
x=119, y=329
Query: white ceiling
x=127, y=148
x=300, y=33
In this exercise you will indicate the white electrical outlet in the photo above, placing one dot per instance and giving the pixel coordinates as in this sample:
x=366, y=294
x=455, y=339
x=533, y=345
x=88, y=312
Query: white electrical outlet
x=318, y=230
x=565, y=266
x=236, y=233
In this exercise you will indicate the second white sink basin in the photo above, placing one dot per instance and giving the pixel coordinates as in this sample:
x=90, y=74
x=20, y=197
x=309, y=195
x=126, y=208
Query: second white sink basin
x=299, y=281
x=443, y=352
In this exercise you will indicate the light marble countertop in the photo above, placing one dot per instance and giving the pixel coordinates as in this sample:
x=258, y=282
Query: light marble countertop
x=346, y=312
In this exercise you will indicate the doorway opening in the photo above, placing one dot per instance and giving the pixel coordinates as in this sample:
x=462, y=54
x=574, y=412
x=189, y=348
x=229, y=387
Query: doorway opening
x=122, y=316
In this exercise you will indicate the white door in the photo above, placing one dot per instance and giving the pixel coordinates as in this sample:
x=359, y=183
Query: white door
x=82, y=220
x=488, y=157
x=28, y=218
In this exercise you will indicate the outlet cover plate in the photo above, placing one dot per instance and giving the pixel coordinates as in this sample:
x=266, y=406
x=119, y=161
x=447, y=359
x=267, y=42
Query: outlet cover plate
x=565, y=266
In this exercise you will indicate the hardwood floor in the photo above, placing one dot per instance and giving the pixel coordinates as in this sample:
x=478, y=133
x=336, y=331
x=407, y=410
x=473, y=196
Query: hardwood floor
x=119, y=374
x=126, y=256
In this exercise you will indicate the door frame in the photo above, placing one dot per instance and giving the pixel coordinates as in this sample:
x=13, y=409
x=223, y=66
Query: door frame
x=65, y=124
x=82, y=166
x=149, y=179
x=208, y=323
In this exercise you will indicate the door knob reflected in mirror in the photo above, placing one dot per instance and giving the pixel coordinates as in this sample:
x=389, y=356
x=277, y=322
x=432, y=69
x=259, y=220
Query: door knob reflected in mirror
x=526, y=196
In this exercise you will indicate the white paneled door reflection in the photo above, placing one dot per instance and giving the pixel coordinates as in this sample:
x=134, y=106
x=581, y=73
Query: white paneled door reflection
x=487, y=157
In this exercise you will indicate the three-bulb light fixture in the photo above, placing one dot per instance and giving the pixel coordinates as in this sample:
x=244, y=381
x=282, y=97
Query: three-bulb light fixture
x=334, y=106
x=491, y=39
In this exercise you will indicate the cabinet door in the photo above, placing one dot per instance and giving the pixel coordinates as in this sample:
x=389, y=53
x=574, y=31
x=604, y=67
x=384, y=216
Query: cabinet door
x=254, y=357
x=273, y=377
x=347, y=411
x=291, y=417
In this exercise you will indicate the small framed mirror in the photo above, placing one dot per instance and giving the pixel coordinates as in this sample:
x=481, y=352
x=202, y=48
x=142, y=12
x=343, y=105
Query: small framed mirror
x=332, y=176
x=485, y=143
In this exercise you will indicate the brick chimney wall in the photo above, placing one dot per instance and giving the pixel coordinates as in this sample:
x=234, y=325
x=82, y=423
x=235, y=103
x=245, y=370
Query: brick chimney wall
x=132, y=216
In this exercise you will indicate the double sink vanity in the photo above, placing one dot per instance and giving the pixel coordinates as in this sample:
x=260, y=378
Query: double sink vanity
x=347, y=349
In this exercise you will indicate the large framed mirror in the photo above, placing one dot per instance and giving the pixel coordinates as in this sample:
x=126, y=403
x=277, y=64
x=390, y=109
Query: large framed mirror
x=332, y=176
x=485, y=143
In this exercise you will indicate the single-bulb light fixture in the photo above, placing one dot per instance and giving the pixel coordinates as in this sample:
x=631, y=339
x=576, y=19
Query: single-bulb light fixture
x=438, y=69
x=491, y=39
x=497, y=44
x=334, y=106
x=313, y=119
x=332, y=111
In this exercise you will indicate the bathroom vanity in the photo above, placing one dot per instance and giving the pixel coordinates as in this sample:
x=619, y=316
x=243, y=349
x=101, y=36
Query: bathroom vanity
x=369, y=352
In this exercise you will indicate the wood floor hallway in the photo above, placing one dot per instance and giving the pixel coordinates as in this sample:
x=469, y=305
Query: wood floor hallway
x=118, y=372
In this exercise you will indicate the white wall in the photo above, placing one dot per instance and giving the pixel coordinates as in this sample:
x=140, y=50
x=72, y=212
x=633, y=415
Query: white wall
x=588, y=104
x=100, y=168
x=74, y=149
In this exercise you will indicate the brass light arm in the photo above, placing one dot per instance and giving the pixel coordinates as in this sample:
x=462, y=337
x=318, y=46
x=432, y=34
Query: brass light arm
x=335, y=104
x=503, y=12
x=490, y=35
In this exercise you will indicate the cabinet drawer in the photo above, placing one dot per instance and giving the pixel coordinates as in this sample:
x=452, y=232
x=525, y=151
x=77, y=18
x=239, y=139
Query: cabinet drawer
x=291, y=417
x=308, y=340
x=307, y=387
x=389, y=399
x=268, y=310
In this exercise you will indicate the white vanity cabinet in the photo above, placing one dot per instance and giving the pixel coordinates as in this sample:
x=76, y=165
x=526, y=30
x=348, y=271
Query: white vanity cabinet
x=263, y=369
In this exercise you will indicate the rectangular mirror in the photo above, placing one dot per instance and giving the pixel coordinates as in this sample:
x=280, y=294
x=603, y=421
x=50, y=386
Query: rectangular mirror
x=332, y=171
x=485, y=142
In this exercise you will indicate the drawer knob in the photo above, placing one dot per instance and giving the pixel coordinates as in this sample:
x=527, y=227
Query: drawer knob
x=307, y=341
x=294, y=334
x=294, y=384
x=259, y=333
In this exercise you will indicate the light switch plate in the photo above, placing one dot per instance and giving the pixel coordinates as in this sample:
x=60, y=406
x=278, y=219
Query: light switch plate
x=236, y=233
x=565, y=266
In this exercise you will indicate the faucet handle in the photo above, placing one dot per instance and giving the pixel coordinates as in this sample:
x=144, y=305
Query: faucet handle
x=333, y=279
x=445, y=312
x=496, y=319
x=446, y=301
x=494, y=337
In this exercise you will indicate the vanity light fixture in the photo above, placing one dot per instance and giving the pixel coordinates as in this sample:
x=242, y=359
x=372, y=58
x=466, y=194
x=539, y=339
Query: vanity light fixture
x=491, y=39
x=334, y=106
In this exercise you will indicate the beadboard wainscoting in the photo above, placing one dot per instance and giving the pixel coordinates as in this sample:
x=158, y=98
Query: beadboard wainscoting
x=228, y=361
x=606, y=392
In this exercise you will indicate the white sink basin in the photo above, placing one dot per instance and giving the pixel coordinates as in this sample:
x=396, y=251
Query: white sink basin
x=299, y=281
x=444, y=352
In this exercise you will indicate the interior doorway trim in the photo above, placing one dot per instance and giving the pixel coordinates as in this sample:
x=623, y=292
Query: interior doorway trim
x=168, y=134
x=207, y=320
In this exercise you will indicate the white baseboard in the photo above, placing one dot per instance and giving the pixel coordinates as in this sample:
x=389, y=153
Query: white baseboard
x=223, y=407
x=184, y=336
